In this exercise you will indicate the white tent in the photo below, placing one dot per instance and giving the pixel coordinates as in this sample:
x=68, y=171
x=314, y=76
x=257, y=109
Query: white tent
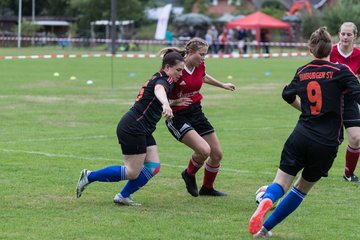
x=107, y=25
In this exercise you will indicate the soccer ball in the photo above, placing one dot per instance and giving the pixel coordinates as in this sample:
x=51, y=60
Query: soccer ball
x=259, y=194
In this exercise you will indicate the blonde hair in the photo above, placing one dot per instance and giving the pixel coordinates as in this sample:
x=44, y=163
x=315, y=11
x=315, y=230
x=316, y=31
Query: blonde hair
x=320, y=43
x=195, y=44
x=349, y=24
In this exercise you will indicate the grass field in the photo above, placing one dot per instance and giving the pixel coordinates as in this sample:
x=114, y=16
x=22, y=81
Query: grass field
x=52, y=127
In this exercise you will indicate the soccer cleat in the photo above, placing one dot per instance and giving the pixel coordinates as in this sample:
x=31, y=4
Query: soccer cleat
x=83, y=182
x=190, y=182
x=256, y=220
x=119, y=199
x=204, y=191
x=351, y=178
x=263, y=233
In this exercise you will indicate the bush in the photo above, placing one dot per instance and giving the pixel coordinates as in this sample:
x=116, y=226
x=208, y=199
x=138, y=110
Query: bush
x=310, y=24
x=146, y=32
x=27, y=28
x=346, y=11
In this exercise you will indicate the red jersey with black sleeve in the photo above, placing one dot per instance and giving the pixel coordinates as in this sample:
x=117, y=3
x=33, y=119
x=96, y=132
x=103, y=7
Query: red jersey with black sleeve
x=320, y=86
x=147, y=109
x=352, y=59
x=189, y=85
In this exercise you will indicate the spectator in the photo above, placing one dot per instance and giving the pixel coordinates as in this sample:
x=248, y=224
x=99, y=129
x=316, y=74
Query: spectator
x=209, y=40
x=169, y=38
x=265, y=39
x=242, y=37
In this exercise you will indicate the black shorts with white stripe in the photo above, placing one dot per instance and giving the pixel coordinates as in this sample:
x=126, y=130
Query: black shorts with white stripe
x=190, y=118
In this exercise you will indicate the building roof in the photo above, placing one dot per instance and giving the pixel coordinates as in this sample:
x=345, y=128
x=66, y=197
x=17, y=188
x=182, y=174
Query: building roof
x=52, y=23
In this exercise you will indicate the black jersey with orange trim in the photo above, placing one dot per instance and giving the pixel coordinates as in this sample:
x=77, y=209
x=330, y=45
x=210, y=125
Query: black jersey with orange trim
x=147, y=109
x=320, y=86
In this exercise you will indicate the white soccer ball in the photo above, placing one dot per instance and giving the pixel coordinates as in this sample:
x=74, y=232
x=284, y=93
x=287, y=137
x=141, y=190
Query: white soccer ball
x=259, y=194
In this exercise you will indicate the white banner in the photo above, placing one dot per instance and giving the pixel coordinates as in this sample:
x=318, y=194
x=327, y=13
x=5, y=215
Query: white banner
x=163, y=18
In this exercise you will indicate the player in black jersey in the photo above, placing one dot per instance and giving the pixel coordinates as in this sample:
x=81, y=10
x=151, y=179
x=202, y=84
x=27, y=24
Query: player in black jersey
x=134, y=133
x=316, y=90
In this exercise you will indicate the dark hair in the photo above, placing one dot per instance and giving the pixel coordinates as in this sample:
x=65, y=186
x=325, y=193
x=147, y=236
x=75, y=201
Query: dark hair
x=171, y=58
x=320, y=43
x=167, y=50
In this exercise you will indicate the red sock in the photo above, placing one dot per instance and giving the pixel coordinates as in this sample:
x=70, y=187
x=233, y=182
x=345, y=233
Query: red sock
x=352, y=157
x=210, y=173
x=193, y=167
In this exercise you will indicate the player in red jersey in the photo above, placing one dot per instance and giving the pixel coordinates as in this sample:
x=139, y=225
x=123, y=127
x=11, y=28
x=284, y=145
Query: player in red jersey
x=316, y=90
x=134, y=132
x=189, y=124
x=344, y=52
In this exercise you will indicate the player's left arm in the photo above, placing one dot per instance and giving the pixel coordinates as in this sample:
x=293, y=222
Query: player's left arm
x=212, y=81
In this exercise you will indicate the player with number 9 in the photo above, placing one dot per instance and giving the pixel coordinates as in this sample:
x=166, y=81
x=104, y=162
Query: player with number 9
x=316, y=90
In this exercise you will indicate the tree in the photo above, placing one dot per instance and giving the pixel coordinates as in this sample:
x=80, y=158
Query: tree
x=344, y=11
x=84, y=10
x=92, y=10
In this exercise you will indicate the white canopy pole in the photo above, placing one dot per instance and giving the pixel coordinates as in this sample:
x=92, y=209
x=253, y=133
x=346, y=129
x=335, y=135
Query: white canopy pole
x=19, y=24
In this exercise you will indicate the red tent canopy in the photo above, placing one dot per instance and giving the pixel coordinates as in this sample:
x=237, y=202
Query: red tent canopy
x=258, y=21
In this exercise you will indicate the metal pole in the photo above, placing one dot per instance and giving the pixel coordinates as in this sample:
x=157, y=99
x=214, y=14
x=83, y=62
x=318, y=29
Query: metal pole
x=33, y=12
x=113, y=38
x=19, y=24
x=33, y=21
x=113, y=26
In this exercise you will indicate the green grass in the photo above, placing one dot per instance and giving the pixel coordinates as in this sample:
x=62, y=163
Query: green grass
x=52, y=127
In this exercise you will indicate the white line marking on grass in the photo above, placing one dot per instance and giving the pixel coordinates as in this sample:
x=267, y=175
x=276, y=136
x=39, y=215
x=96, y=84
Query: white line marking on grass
x=57, y=139
x=109, y=159
x=256, y=128
x=57, y=155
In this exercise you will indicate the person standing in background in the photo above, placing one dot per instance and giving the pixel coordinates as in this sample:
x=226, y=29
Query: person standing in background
x=265, y=39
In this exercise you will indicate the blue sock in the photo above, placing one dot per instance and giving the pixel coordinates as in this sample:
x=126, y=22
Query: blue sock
x=134, y=185
x=292, y=201
x=108, y=174
x=274, y=191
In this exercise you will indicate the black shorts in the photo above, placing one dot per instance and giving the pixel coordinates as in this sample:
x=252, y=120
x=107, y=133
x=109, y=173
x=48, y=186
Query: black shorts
x=351, y=115
x=132, y=138
x=191, y=118
x=301, y=152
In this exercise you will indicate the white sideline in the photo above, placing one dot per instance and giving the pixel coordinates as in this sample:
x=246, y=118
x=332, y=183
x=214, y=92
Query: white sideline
x=57, y=139
x=51, y=155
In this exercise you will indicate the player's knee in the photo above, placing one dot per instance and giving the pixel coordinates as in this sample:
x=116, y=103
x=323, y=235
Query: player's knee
x=204, y=152
x=354, y=141
x=217, y=156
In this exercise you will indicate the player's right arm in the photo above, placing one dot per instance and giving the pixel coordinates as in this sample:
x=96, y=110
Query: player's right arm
x=160, y=94
x=290, y=91
x=184, y=101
